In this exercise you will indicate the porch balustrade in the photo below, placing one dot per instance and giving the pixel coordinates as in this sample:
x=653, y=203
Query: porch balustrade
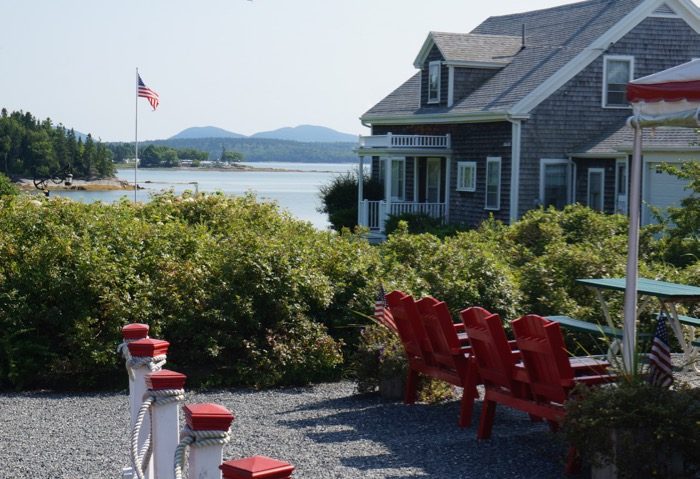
x=375, y=213
x=405, y=141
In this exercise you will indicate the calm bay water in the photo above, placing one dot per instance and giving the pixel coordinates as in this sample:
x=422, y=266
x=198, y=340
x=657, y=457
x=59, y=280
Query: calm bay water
x=295, y=191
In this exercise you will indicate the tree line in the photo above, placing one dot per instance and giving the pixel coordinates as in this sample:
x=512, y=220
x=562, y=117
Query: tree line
x=160, y=156
x=33, y=148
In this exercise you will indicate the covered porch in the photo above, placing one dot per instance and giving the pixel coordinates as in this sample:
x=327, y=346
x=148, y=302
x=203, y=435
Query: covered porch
x=414, y=171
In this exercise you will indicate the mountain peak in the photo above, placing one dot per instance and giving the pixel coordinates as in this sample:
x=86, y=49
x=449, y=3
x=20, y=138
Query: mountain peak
x=205, y=132
x=307, y=133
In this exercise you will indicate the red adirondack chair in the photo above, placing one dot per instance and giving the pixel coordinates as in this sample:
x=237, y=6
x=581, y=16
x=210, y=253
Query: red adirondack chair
x=453, y=361
x=552, y=374
x=504, y=382
x=414, y=339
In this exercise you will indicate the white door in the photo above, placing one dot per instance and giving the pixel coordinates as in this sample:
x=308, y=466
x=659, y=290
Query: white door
x=432, y=180
x=663, y=190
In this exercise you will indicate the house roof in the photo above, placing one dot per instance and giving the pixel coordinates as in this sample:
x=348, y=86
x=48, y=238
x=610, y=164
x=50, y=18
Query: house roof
x=653, y=139
x=553, y=38
x=472, y=48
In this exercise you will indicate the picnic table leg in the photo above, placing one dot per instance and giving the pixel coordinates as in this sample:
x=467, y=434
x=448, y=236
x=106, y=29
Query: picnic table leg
x=615, y=346
x=688, y=349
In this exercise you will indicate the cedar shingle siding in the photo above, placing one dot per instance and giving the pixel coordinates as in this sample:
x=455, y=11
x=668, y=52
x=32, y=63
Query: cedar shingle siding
x=570, y=124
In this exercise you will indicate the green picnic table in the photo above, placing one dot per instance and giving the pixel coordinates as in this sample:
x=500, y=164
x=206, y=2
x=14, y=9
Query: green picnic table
x=669, y=296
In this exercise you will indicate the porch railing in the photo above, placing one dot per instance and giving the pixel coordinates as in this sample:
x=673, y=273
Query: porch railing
x=373, y=214
x=405, y=141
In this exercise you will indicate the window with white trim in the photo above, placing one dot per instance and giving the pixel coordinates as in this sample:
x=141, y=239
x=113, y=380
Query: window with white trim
x=466, y=176
x=434, y=82
x=555, y=183
x=493, y=183
x=618, y=70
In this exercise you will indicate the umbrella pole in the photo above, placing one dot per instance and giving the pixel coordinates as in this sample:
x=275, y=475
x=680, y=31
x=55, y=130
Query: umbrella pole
x=630, y=325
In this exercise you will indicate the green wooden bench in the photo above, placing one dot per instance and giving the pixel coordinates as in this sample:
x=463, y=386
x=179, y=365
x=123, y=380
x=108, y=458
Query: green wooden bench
x=586, y=327
x=689, y=321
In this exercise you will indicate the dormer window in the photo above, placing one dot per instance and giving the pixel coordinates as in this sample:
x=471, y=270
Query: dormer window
x=434, y=82
x=618, y=70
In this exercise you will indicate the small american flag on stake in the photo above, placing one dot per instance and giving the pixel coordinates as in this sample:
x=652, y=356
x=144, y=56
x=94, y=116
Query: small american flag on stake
x=660, y=372
x=382, y=312
x=147, y=93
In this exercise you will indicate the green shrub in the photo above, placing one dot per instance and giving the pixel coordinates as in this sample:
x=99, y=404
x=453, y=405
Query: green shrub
x=650, y=424
x=339, y=198
x=7, y=188
x=239, y=289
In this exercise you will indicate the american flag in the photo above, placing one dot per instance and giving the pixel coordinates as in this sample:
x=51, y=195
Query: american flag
x=382, y=312
x=660, y=373
x=147, y=93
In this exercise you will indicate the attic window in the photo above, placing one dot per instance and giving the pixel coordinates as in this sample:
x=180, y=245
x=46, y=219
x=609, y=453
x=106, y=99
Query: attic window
x=434, y=82
x=617, y=72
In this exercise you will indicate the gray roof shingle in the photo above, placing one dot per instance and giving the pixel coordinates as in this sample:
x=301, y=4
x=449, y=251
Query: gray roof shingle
x=554, y=36
x=459, y=47
x=660, y=138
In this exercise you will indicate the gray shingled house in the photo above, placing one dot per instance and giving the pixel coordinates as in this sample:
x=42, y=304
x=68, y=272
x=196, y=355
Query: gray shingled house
x=529, y=109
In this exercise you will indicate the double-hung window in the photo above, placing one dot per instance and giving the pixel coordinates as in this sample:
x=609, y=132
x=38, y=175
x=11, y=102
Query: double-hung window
x=434, y=82
x=493, y=183
x=618, y=70
x=466, y=176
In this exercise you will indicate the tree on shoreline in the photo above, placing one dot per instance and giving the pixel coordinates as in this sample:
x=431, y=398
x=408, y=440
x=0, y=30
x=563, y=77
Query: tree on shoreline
x=29, y=148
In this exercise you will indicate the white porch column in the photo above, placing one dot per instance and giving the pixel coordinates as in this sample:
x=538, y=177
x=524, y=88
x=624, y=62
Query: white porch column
x=387, y=184
x=415, y=179
x=515, y=169
x=448, y=181
x=360, y=189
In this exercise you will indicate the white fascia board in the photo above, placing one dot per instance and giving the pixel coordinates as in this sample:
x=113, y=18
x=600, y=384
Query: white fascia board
x=470, y=64
x=423, y=53
x=588, y=55
x=602, y=156
x=419, y=119
x=688, y=11
x=627, y=149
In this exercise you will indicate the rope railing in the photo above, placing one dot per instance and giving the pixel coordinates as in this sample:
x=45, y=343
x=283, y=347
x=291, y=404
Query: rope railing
x=152, y=398
x=191, y=438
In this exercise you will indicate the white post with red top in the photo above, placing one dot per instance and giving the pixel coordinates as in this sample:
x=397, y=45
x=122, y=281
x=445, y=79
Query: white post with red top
x=130, y=333
x=147, y=355
x=165, y=419
x=206, y=433
x=256, y=467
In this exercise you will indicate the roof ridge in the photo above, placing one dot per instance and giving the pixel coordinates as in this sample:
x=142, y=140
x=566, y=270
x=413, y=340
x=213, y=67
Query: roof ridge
x=490, y=35
x=534, y=13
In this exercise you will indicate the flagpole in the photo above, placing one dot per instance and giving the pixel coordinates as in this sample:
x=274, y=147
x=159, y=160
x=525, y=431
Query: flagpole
x=136, y=135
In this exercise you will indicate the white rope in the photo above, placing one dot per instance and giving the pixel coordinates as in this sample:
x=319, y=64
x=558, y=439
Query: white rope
x=157, y=397
x=154, y=363
x=123, y=348
x=188, y=437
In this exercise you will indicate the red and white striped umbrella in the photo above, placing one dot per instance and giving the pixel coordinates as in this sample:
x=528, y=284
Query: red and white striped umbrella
x=669, y=98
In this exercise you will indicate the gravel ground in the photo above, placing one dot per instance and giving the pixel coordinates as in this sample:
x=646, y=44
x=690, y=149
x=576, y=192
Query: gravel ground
x=326, y=431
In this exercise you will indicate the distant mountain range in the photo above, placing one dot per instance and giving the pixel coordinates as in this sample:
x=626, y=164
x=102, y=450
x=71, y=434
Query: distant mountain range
x=301, y=133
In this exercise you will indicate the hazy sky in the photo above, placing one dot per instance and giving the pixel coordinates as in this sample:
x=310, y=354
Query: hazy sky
x=240, y=65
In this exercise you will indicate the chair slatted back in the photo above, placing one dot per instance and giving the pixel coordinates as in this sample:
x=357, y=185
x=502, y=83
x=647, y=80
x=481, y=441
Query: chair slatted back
x=490, y=346
x=544, y=353
x=411, y=330
x=437, y=320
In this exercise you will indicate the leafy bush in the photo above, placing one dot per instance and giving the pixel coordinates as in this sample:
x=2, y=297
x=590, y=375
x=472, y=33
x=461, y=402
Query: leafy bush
x=7, y=187
x=464, y=270
x=418, y=223
x=339, y=198
x=234, y=285
x=651, y=425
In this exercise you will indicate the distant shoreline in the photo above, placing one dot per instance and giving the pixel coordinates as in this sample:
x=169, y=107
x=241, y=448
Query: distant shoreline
x=107, y=184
